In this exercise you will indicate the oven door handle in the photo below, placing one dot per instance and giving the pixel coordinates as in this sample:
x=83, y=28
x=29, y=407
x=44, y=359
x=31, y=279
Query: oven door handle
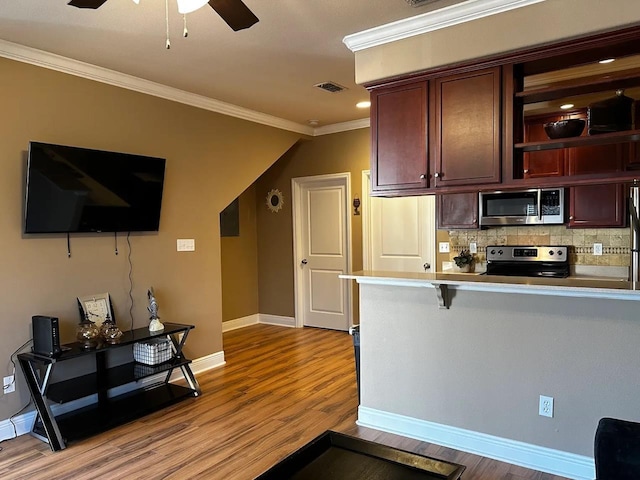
x=540, y=204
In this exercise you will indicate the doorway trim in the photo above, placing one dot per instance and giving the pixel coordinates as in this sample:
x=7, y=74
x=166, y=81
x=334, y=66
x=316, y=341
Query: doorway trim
x=297, y=185
x=366, y=220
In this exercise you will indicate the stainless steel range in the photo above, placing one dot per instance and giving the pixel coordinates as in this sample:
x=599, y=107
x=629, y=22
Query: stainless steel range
x=533, y=261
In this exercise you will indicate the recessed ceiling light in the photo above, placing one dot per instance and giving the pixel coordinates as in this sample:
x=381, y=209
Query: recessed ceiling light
x=566, y=106
x=607, y=60
x=366, y=104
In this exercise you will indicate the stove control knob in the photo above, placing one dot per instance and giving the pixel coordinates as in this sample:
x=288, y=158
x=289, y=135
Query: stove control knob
x=551, y=252
x=500, y=252
x=560, y=252
x=493, y=252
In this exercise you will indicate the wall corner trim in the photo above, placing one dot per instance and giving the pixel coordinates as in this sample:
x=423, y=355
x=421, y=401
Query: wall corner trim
x=431, y=21
x=51, y=61
x=527, y=455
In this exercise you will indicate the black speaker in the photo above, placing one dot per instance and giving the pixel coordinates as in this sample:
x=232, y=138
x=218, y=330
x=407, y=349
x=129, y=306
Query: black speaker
x=46, y=335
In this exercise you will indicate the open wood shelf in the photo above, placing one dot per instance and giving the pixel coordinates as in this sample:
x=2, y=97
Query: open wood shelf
x=99, y=417
x=580, y=86
x=79, y=387
x=587, y=141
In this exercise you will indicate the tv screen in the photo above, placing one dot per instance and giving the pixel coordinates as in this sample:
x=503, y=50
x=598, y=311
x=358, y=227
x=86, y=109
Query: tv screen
x=71, y=189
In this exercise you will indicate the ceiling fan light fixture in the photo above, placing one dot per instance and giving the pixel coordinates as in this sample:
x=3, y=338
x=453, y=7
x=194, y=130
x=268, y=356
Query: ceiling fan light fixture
x=188, y=6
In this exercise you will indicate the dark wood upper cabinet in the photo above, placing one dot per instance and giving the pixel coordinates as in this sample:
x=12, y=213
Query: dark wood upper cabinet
x=546, y=163
x=597, y=206
x=399, y=138
x=471, y=126
x=465, y=128
x=457, y=211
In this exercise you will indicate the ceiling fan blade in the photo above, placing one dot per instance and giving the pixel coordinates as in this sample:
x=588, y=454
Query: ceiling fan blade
x=235, y=13
x=86, y=3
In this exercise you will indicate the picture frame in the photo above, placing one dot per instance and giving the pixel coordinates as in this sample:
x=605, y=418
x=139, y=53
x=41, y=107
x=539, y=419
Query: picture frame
x=96, y=308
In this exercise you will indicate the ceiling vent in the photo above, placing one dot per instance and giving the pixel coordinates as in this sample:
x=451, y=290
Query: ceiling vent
x=417, y=3
x=330, y=87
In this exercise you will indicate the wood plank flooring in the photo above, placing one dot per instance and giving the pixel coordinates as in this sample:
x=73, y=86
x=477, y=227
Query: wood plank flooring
x=280, y=388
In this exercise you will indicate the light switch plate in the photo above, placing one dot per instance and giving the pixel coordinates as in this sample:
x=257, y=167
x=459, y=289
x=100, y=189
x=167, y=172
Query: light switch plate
x=186, y=244
x=443, y=247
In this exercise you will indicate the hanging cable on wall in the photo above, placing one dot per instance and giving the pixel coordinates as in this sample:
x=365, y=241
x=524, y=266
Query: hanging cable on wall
x=130, y=280
x=115, y=239
x=68, y=245
x=166, y=17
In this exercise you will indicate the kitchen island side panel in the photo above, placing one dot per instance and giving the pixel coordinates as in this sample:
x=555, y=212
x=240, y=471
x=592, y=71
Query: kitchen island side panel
x=482, y=364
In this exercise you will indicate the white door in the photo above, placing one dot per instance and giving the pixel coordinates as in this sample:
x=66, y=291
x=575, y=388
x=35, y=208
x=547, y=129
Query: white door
x=322, y=251
x=398, y=233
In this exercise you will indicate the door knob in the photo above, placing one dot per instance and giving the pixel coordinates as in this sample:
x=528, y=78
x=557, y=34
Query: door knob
x=304, y=261
x=426, y=266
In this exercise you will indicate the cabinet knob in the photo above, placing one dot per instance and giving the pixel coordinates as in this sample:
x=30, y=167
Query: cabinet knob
x=571, y=217
x=526, y=170
x=437, y=175
x=423, y=176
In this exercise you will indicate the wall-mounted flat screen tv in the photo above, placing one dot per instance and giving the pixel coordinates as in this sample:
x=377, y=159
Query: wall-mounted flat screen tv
x=71, y=189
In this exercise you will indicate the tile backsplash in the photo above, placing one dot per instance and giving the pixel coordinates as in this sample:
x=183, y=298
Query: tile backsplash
x=615, y=242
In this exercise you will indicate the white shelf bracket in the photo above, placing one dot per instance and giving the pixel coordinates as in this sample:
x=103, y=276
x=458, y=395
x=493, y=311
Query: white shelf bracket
x=442, y=292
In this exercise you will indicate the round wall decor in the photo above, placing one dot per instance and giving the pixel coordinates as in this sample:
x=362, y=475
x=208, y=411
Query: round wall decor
x=275, y=200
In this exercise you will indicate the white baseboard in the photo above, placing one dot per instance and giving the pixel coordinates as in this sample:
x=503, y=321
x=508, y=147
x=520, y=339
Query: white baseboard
x=544, y=459
x=24, y=421
x=240, y=322
x=258, y=318
x=277, y=320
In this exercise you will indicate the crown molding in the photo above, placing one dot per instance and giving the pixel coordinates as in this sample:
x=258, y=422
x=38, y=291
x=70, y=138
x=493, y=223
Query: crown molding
x=51, y=61
x=342, y=127
x=430, y=21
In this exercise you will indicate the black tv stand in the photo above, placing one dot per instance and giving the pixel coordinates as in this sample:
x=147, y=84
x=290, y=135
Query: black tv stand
x=150, y=389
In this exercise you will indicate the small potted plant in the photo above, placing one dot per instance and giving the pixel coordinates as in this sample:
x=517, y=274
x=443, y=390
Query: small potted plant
x=464, y=261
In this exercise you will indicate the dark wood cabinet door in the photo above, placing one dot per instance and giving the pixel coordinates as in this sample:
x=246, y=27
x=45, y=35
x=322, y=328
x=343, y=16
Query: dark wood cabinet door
x=597, y=158
x=546, y=163
x=399, y=138
x=597, y=206
x=466, y=121
x=457, y=210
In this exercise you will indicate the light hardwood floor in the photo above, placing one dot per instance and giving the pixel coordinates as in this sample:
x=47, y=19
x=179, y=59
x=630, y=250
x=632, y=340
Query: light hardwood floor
x=280, y=388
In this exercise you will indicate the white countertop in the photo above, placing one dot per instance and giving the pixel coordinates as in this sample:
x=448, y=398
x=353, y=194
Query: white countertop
x=574, y=286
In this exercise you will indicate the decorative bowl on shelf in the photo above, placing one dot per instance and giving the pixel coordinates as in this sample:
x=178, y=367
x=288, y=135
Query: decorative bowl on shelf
x=572, y=127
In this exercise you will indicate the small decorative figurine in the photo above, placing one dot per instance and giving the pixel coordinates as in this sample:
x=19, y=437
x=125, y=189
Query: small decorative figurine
x=155, y=325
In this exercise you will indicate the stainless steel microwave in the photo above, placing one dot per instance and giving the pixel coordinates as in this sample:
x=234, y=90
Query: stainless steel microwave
x=535, y=206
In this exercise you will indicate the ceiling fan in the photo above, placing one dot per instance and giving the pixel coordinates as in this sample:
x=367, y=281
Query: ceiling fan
x=234, y=12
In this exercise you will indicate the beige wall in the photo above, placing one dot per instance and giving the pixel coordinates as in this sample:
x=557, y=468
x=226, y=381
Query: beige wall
x=240, y=263
x=336, y=153
x=211, y=159
x=482, y=364
x=548, y=21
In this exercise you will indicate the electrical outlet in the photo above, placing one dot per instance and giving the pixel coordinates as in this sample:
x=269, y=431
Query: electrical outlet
x=597, y=249
x=545, y=408
x=473, y=247
x=443, y=247
x=8, y=384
